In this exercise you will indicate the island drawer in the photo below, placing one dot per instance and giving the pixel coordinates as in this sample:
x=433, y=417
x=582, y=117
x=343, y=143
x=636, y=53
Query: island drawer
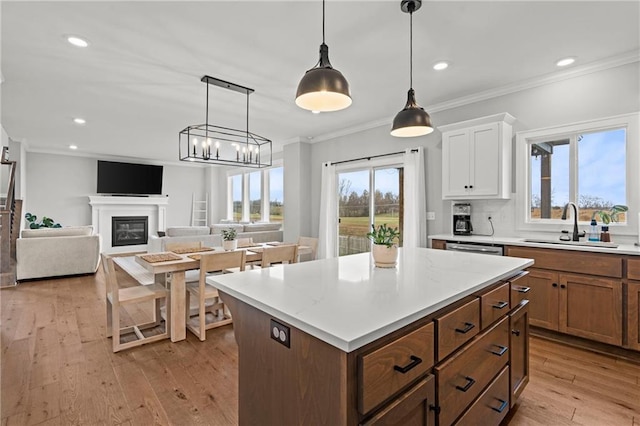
x=571, y=260
x=387, y=370
x=633, y=269
x=460, y=379
x=492, y=406
x=519, y=288
x=494, y=304
x=457, y=327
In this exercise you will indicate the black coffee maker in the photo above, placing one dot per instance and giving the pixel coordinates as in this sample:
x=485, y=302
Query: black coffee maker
x=462, y=219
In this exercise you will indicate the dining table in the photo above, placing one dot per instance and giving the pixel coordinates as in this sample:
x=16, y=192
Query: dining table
x=177, y=263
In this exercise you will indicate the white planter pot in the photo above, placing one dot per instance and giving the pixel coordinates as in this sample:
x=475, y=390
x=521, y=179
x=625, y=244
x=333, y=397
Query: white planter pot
x=383, y=256
x=230, y=245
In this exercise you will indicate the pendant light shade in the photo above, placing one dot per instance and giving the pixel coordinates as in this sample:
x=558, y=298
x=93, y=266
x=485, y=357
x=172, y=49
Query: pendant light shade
x=323, y=88
x=413, y=120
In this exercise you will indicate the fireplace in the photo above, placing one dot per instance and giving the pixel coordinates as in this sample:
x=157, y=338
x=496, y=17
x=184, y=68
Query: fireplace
x=129, y=230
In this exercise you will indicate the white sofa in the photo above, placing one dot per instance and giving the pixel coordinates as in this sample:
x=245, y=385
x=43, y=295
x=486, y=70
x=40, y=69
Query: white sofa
x=51, y=252
x=210, y=236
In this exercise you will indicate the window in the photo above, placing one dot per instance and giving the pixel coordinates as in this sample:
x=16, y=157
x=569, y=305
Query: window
x=590, y=164
x=256, y=196
x=276, y=194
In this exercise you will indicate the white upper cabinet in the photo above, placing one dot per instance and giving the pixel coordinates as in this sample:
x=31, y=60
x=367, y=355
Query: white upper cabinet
x=476, y=158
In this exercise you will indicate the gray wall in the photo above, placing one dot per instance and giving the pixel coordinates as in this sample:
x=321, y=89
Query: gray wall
x=597, y=95
x=59, y=187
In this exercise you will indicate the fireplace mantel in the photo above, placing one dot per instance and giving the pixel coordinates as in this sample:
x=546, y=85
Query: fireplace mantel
x=103, y=208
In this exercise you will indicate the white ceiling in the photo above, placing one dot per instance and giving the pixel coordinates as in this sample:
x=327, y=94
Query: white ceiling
x=138, y=83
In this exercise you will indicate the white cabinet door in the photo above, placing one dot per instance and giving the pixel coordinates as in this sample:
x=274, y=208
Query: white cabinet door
x=457, y=160
x=484, y=174
x=476, y=158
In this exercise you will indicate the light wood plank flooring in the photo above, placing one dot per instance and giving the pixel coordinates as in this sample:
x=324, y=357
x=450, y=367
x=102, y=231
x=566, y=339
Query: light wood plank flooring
x=58, y=369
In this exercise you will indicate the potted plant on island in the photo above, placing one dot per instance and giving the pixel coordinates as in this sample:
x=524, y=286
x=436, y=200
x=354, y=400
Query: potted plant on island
x=384, y=248
x=229, y=241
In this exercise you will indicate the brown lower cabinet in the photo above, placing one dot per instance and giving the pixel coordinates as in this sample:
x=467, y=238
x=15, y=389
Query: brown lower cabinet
x=576, y=304
x=633, y=315
x=519, y=355
x=416, y=407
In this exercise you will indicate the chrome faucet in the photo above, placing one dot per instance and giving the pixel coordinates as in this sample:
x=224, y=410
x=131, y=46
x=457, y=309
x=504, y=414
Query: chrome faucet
x=576, y=235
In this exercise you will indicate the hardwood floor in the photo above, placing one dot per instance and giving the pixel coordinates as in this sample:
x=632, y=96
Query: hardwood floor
x=58, y=369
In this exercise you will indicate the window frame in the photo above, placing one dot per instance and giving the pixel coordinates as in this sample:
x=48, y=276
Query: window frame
x=525, y=139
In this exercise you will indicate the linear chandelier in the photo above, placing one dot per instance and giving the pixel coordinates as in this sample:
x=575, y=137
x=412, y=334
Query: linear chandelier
x=206, y=143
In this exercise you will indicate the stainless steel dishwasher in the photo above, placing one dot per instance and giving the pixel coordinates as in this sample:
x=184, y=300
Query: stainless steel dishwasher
x=495, y=250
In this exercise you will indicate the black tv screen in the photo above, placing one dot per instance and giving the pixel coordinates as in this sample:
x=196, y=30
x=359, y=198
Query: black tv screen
x=129, y=178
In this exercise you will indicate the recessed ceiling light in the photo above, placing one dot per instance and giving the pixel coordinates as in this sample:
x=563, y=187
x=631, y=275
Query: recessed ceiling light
x=315, y=112
x=77, y=41
x=73, y=146
x=79, y=120
x=565, y=61
x=442, y=65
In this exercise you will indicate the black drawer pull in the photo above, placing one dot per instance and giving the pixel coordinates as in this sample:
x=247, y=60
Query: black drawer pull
x=434, y=408
x=502, y=351
x=503, y=405
x=414, y=362
x=523, y=289
x=515, y=332
x=554, y=285
x=563, y=286
x=467, y=327
x=501, y=305
x=470, y=382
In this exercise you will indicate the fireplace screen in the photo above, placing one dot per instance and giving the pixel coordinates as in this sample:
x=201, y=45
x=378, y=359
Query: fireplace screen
x=129, y=230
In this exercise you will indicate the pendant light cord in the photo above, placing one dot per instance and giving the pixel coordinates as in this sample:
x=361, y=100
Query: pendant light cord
x=411, y=46
x=322, y=21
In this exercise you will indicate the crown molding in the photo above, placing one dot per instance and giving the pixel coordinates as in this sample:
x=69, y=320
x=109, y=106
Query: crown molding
x=578, y=71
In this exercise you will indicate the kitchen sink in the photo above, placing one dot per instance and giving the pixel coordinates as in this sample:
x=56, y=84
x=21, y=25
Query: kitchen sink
x=572, y=243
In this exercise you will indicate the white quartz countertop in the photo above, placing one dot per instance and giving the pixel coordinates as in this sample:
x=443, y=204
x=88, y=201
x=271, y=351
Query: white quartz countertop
x=348, y=303
x=520, y=241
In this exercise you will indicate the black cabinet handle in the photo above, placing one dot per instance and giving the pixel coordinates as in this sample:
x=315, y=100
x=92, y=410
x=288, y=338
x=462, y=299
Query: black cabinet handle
x=563, y=286
x=466, y=186
x=467, y=327
x=503, y=405
x=523, y=289
x=501, y=305
x=470, y=186
x=502, y=351
x=516, y=332
x=470, y=382
x=554, y=285
x=414, y=362
x=434, y=408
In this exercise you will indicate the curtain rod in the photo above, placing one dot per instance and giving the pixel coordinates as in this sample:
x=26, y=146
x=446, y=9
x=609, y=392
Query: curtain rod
x=370, y=157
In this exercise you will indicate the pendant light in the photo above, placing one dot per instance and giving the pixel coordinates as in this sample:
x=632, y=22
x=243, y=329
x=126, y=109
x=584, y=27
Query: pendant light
x=323, y=88
x=413, y=120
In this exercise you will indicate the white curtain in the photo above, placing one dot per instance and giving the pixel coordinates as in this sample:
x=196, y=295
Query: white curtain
x=328, y=213
x=415, y=199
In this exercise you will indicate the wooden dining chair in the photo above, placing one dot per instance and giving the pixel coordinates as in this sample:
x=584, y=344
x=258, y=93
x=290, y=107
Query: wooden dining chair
x=285, y=253
x=216, y=315
x=307, y=242
x=134, y=334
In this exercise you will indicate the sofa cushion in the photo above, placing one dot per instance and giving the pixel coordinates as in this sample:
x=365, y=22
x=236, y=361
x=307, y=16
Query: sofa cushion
x=179, y=231
x=67, y=231
x=218, y=227
x=254, y=227
x=227, y=221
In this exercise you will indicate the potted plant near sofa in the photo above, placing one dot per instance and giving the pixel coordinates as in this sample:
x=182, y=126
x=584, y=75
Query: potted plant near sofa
x=229, y=241
x=384, y=248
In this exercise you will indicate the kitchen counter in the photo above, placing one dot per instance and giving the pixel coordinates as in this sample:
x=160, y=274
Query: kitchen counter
x=520, y=241
x=348, y=303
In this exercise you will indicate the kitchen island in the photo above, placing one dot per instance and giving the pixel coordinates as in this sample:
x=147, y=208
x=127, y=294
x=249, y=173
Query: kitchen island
x=340, y=342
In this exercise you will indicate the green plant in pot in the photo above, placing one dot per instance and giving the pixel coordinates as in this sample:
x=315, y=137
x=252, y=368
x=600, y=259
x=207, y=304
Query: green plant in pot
x=46, y=222
x=229, y=241
x=384, y=248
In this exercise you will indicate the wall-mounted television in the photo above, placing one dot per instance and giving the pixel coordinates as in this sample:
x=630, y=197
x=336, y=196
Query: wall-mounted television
x=129, y=179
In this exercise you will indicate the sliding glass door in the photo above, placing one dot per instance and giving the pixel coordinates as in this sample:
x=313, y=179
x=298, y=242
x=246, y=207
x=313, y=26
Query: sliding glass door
x=365, y=197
